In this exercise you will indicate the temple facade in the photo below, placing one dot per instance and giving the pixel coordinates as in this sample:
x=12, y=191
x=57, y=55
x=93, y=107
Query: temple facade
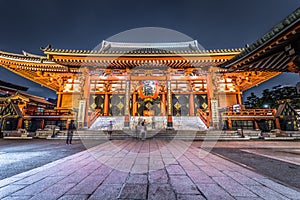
x=162, y=81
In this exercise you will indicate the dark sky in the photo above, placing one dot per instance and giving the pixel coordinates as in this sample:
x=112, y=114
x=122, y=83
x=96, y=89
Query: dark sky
x=216, y=24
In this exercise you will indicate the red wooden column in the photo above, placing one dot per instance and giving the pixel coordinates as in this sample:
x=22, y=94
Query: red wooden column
x=20, y=122
x=134, y=104
x=106, y=104
x=256, y=125
x=277, y=123
x=192, y=105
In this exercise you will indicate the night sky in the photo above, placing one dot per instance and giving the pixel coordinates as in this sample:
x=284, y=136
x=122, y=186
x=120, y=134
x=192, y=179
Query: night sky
x=216, y=24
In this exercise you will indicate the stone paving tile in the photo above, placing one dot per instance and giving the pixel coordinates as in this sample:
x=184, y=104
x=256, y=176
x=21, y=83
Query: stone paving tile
x=133, y=191
x=8, y=181
x=286, y=191
x=161, y=192
x=141, y=161
x=214, y=191
x=53, y=192
x=139, y=169
x=106, y=191
x=248, y=198
x=190, y=197
x=175, y=170
x=31, y=179
x=137, y=179
x=211, y=171
x=233, y=187
x=74, y=197
x=9, y=189
x=87, y=185
x=76, y=177
x=183, y=185
x=23, y=197
x=39, y=186
x=265, y=193
x=199, y=162
x=170, y=161
x=242, y=179
x=199, y=177
x=158, y=176
x=116, y=177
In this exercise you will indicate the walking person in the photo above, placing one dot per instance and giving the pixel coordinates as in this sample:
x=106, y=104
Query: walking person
x=110, y=128
x=143, y=130
x=71, y=128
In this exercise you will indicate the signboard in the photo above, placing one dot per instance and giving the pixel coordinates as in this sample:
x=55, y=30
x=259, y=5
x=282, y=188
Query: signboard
x=214, y=111
x=81, y=111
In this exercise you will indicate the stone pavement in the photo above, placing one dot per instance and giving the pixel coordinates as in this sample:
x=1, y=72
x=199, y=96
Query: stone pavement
x=152, y=169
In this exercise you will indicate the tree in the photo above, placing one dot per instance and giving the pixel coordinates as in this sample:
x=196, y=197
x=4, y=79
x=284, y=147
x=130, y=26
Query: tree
x=272, y=97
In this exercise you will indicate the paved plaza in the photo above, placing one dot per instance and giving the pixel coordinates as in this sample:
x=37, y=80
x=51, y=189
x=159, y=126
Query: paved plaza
x=151, y=169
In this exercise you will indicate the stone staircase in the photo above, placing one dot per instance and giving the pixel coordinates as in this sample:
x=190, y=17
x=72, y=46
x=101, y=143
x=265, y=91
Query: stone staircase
x=152, y=134
x=193, y=123
x=102, y=123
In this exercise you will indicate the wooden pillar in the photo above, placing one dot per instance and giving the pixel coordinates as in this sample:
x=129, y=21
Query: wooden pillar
x=170, y=105
x=42, y=125
x=126, y=104
x=106, y=104
x=192, y=105
x=277, y=123
x=239, y=96
x=134, y=105
x=229, y=124
x=256, y=127
x=20, y=122
x=163, y=104
x=58, y=104
x=210, y=94
x=86, y=95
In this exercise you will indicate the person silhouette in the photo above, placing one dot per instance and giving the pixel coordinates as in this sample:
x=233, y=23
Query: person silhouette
x=71, y=128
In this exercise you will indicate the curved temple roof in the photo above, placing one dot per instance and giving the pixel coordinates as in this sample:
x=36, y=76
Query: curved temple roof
x=121, y=48
x=272, y=45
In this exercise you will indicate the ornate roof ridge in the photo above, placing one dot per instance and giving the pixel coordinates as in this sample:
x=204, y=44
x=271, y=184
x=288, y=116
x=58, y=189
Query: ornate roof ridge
x=108, y=49
x=159, y=45
x=27, y=57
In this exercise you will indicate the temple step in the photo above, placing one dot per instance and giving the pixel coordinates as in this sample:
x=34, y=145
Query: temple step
x=163, y=134
x=179, y=123
x=188, y=123
x=102, y=123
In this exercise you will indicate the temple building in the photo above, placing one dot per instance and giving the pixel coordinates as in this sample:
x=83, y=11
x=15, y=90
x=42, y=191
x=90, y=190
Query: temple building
x=174, y=84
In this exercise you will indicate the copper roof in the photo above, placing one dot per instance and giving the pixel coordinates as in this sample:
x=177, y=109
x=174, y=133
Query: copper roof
x=269, y=46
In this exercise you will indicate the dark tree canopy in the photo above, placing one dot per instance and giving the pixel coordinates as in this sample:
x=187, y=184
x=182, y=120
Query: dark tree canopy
x=271, y=98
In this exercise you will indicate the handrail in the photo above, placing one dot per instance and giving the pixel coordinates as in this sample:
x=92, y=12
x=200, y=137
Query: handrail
x=251, y=112
x=94, y=116
x=204, y=117
x=46, y=113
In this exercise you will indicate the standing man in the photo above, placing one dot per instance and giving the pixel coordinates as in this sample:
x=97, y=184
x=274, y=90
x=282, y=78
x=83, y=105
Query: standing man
x=71, y=128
